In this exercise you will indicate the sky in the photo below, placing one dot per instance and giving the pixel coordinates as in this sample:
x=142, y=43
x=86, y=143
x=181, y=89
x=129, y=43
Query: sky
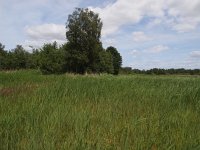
x=147, y=33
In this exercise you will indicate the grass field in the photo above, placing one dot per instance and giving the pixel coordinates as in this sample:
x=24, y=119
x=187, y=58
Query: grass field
x=98, y=112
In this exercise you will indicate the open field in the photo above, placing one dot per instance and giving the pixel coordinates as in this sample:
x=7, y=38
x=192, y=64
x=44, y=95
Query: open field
x=99, y=112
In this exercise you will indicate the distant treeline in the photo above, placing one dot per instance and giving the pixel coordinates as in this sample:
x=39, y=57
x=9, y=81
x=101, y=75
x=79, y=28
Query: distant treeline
x=158, y=71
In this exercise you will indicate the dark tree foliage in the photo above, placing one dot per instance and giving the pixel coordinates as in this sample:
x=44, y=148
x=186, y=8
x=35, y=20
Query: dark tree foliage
x=2, y=49
x=106, y=62
x=20, y=58
x=117, y=59
x=76, y=61
x=52, y=59
x=3, y=55
x=83, y=34
x=35, y=59
x=17, y=58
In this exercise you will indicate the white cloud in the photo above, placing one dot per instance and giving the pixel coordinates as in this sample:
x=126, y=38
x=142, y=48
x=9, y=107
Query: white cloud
x=180, y=15
x=123, y=12
x=17, y=14
x=195, y=54
x=157, y=49
x=140, y=37
x=45, y=33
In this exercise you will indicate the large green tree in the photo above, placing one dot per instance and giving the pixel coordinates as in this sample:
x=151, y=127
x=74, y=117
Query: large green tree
x=83, y=34
x=117, y=59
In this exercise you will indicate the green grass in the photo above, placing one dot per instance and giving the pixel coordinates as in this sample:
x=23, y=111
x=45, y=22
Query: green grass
x=98, y=112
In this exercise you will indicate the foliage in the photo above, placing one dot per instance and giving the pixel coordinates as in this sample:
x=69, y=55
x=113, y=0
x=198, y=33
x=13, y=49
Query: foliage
x=76, y=60
x=83, y=33
x=52, y=59
x=17, y=58
x=35, y=59
x=106, y=62
x=20, y=58
x=117, y=59
x=3, y=55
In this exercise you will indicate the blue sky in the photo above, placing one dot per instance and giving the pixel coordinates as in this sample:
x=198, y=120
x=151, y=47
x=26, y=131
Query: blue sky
x=148, y=33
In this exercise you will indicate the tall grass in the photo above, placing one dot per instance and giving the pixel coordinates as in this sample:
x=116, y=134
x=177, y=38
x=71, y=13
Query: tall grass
x=98, y=112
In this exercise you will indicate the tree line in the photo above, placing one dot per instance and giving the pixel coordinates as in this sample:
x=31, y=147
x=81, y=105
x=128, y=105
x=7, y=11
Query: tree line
x=83, y=52
x=159, y=71
x=54, y=59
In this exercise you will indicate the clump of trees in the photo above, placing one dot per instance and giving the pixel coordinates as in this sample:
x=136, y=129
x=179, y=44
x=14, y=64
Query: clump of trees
x=83, y=52
x=17, y=58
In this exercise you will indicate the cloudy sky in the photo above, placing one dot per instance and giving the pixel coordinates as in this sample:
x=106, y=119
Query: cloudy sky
x=148, y=33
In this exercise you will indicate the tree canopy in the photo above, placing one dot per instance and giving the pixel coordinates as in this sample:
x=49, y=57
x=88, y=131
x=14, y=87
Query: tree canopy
x=83, y=34
x=52, y=59
x=117, y=59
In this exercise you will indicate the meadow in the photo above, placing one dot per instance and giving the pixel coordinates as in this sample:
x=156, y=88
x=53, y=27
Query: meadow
x=138, y=112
